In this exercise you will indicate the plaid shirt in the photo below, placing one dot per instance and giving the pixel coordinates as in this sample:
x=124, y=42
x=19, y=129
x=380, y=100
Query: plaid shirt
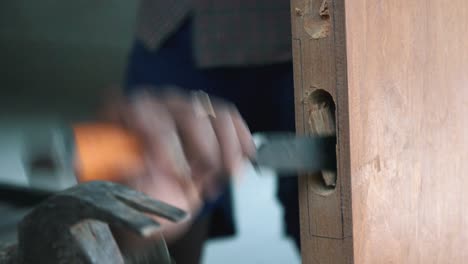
x=225, y=33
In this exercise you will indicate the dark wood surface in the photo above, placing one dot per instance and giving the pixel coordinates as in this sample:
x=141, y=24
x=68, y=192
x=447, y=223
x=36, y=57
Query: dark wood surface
x=398, y=74
x=321, y=98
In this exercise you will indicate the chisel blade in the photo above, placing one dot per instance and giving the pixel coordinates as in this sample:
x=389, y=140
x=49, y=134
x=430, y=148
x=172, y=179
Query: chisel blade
x=287, y=152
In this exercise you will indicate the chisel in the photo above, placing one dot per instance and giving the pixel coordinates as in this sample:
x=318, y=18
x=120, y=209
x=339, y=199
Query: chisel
x=103, y=151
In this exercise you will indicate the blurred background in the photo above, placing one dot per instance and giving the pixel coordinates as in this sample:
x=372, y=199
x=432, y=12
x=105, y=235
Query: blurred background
x=57, y=58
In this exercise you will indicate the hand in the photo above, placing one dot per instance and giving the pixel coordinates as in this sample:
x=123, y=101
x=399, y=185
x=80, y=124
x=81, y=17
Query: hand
x=192, y=144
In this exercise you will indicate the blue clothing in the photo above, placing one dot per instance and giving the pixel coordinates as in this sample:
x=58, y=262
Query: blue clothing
x=264, y=96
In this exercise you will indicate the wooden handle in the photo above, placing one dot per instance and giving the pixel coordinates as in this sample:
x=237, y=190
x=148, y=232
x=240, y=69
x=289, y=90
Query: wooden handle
x=106, y=152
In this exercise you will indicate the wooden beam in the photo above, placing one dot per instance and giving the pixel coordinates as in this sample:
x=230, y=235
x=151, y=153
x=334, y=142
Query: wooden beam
x=397, y=73
x=321, y=98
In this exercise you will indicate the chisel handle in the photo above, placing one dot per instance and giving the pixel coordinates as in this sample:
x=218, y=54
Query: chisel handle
x=106, y=151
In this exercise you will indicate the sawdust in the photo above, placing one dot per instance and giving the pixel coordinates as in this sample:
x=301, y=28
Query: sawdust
x=321, y=121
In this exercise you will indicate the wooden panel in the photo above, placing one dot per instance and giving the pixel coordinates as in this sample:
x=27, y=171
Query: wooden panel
x=320, y=78
x=408, y=103
x=398, y=74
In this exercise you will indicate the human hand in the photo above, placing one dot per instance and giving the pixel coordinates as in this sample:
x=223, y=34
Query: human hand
x=191, y=144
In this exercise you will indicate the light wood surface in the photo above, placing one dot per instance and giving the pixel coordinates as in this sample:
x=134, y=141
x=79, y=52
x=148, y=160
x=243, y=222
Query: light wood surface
x=398, y=73
x=408, y=110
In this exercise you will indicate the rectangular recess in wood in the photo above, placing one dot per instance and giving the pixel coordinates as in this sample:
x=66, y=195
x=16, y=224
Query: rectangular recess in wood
x=320, y=91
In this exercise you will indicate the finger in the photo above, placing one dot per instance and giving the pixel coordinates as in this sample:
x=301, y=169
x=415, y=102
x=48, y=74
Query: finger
x=144, y=203
x=198, y=137
x=180, y=193
x=231, y=150
x=244, y=134
x=155, y=123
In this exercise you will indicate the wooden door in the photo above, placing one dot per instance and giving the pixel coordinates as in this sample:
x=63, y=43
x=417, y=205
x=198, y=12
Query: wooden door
x=391, y=78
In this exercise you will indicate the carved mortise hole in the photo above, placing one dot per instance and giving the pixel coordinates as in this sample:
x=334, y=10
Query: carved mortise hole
x=321, y=111
x=318, y=25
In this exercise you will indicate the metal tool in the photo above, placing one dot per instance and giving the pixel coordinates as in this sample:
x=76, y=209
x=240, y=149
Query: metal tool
x=288, y=153
x=72, y=226
x=280, y=151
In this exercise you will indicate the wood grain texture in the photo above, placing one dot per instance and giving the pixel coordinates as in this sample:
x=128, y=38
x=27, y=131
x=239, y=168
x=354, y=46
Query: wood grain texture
x=319, y=66
x=408, y=110
x=398, y=73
